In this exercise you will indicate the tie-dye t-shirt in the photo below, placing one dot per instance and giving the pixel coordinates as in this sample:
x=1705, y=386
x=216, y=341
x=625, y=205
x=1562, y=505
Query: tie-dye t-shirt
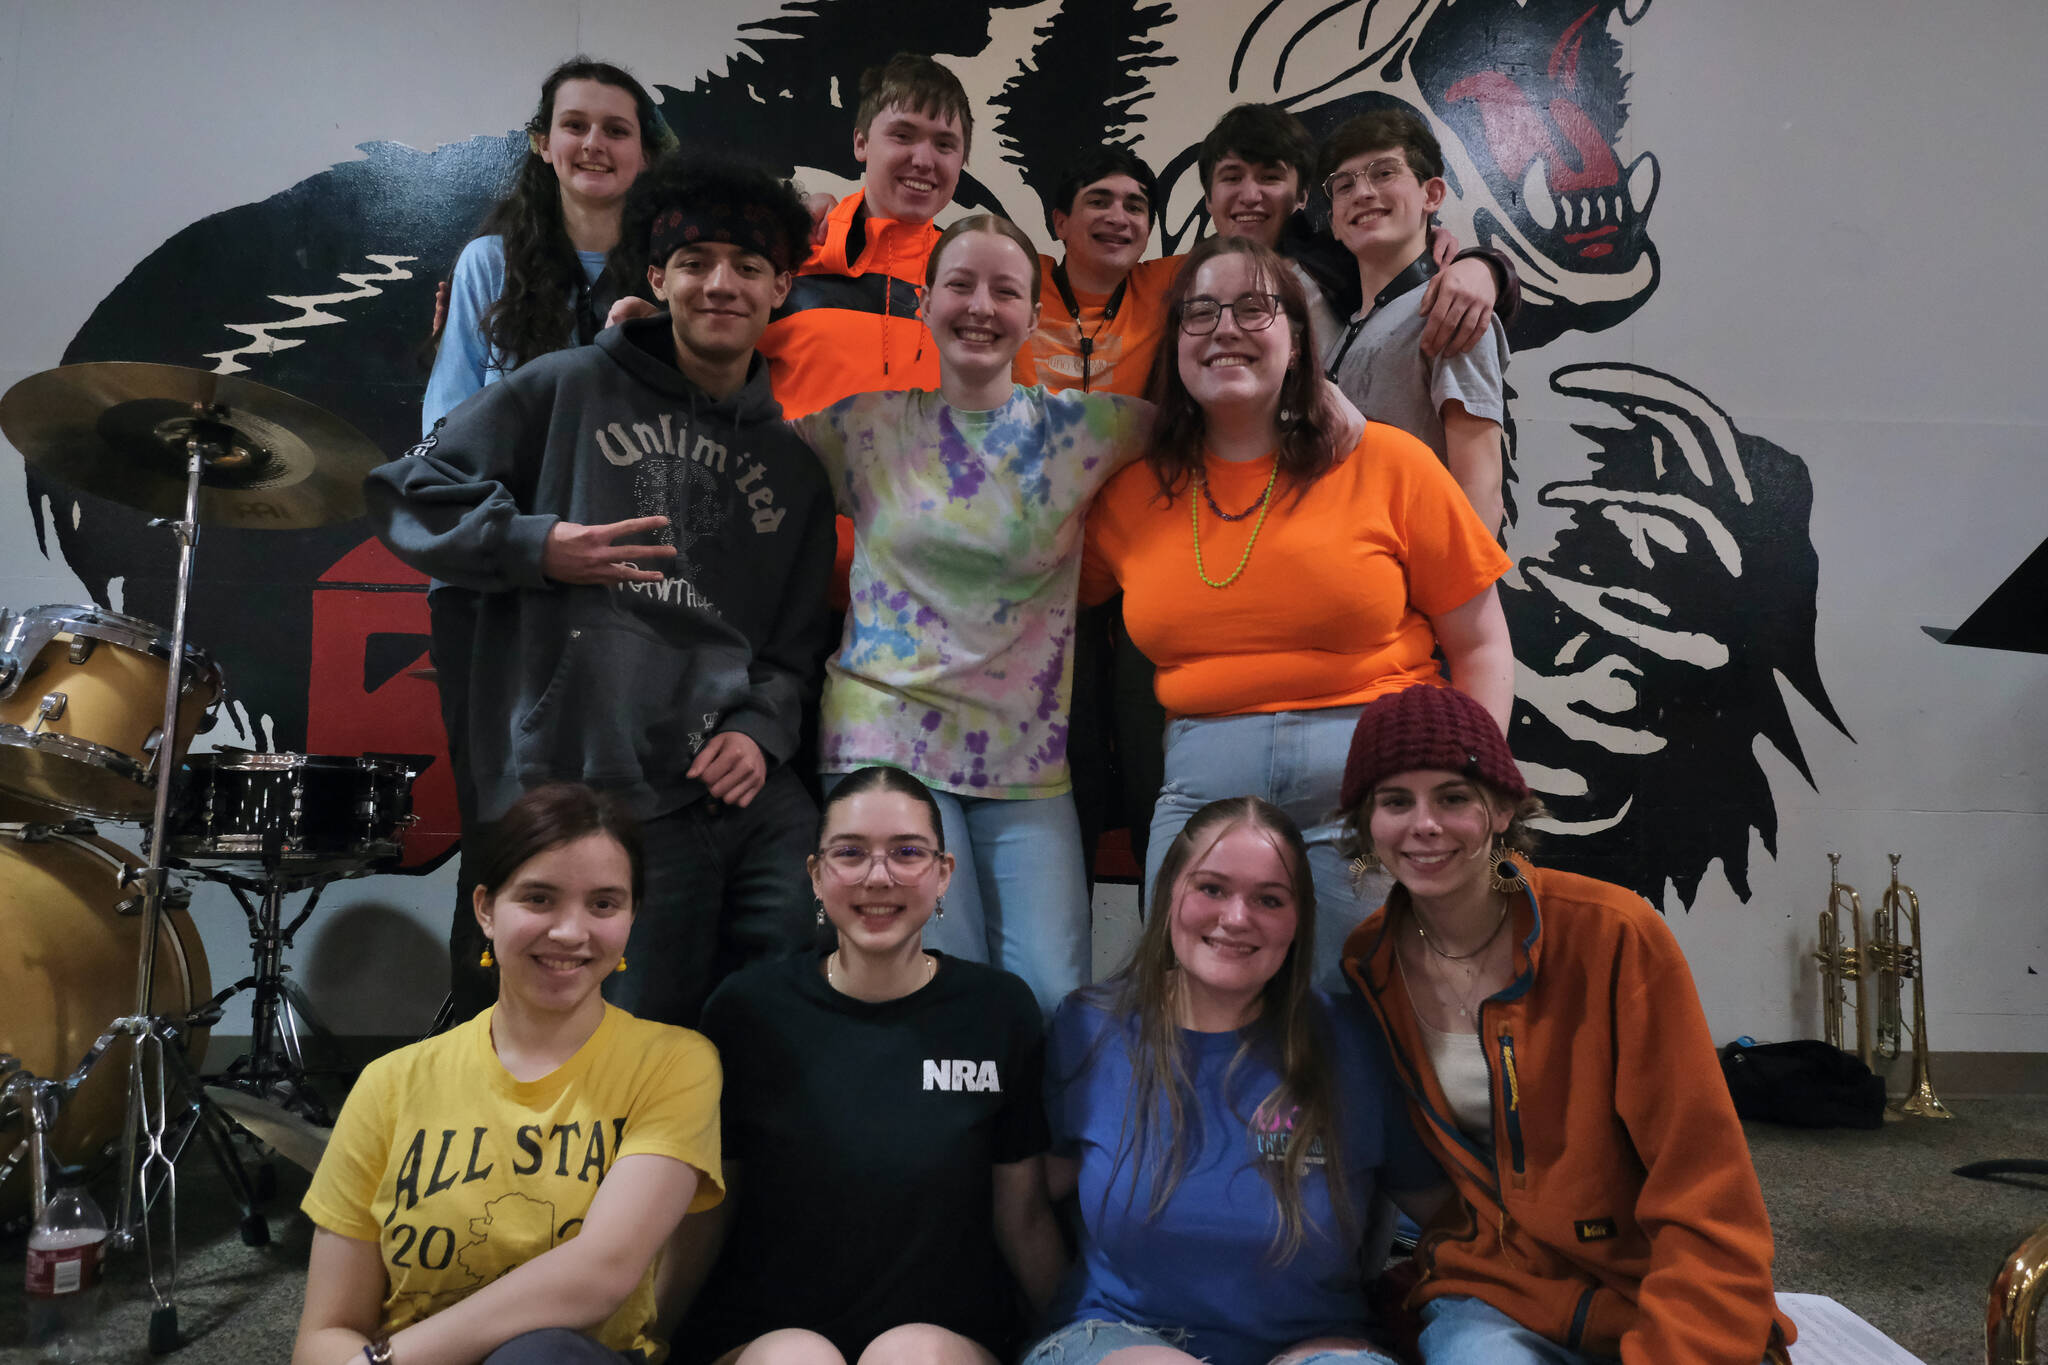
x=956, y=664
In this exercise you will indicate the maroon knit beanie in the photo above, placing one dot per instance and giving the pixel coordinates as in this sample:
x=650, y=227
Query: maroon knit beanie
x=1428, y=728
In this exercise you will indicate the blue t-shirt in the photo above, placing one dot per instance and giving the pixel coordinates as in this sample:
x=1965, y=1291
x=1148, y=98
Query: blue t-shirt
x=466, y=362
x=1205, y=1263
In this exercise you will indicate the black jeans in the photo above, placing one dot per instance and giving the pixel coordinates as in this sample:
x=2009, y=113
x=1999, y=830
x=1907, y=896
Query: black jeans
x=726, y=886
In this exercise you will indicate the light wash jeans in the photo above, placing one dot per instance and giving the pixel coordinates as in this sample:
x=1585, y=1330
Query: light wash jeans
x=1092, y=1340
x=1460, y=1330
x=1019, y=897
x=1294, y=759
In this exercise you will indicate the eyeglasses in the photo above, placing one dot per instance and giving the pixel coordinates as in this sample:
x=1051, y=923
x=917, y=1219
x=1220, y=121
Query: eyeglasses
x=905, y=863
x=1253, y=312
x=1380, y=174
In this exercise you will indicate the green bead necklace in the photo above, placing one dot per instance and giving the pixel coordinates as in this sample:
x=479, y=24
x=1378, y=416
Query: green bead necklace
x=1265, y=505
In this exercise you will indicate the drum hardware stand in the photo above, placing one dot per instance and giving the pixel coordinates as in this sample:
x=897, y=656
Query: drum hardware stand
x=275, y=1067
x=149, y=1148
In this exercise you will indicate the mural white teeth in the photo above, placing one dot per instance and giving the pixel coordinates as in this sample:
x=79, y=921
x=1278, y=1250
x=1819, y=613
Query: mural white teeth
x=1537, y=201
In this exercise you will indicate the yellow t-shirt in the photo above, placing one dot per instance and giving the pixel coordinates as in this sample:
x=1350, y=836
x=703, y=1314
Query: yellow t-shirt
x=460, y=1173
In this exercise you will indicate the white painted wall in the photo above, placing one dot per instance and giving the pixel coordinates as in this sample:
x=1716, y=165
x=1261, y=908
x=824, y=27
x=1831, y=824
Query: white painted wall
x=1851, y=191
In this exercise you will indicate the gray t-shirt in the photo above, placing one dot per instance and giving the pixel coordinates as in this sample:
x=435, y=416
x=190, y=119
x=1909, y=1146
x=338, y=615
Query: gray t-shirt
x=1386, y=374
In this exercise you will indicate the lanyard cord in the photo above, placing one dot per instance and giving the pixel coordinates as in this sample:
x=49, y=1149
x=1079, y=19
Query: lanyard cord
x=1087, y=346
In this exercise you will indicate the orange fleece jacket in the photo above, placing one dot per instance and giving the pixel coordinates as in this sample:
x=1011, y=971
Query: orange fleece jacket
x=850, y=325
x=1618, y=1212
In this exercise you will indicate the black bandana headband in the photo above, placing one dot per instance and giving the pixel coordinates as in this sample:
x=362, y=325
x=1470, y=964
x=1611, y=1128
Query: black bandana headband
x=751, y=227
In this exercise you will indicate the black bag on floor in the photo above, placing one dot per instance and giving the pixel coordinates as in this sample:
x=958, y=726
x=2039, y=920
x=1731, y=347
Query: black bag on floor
x=1807, y=1084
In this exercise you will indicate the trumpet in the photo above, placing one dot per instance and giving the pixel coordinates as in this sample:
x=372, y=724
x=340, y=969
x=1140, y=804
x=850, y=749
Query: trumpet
x=1896, y=961
x=1840, y=964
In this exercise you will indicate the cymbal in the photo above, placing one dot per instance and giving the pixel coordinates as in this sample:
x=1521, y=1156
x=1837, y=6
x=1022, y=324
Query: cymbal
x=290, y=1135
x=119, y=430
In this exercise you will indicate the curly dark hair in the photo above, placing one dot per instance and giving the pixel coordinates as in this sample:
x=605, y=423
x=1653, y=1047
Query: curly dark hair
x=533, y=313
x=684, y=178
x=1307, y=433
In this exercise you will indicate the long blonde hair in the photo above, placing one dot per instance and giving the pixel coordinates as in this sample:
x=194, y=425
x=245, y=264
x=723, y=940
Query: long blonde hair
x=1290, y=1034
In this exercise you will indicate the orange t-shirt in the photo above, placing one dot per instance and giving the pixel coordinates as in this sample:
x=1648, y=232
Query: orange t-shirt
x=1334, y=603
x=1121, y=360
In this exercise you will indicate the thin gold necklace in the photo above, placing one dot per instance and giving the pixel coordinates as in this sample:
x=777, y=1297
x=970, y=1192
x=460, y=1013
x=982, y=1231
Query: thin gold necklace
x=1264, y=504
x=1422, y=928
x=931, y=969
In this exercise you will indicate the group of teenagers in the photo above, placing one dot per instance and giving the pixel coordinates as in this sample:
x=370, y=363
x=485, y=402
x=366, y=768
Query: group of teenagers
x=757, y=1065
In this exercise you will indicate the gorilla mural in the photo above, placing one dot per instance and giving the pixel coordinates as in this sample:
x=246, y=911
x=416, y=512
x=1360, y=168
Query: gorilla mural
x=1654, y=629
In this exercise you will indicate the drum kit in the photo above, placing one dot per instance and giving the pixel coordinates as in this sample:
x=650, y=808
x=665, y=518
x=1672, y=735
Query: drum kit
x=97, y=714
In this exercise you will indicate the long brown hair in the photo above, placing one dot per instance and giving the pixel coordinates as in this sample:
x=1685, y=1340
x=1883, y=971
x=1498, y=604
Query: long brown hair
x=1308, y=428
x=1289, y=1034
x=535, y=312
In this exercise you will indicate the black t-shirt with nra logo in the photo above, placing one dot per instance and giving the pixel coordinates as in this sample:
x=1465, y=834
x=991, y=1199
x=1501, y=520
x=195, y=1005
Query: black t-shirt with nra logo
x=863, y=1135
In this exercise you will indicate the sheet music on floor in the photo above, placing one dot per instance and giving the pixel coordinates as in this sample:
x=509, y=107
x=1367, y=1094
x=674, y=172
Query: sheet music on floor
x=1830, y=1334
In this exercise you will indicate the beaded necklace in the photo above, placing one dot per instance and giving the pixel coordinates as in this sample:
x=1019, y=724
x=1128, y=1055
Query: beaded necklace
x=1264, y=504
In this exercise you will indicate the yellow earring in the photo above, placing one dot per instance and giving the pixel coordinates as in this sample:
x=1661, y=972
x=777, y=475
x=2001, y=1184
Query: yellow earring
x=487, y=960
x=620, y=968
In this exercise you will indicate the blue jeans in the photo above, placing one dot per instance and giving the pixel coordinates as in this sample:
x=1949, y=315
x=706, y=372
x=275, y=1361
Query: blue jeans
x=726, y=885
x=1459, y=1330
x=1090, y=1341
x=1294, y=759
x=1019, y=897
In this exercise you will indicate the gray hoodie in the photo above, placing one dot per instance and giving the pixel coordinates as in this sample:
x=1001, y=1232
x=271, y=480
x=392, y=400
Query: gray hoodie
x=619, y=686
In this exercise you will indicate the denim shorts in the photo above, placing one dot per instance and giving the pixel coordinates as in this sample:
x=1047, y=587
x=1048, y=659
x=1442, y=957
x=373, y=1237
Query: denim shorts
x=1089, y=1341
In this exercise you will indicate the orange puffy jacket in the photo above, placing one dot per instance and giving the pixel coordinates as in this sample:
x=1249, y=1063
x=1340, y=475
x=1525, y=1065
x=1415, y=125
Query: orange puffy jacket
x=850, y=325
x=1617, y=1212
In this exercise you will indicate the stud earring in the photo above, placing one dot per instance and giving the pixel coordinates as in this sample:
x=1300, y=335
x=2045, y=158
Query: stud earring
x=487, y=961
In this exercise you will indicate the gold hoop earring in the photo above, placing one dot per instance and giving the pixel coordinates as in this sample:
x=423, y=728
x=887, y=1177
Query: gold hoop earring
x=1363, y=866
x=1505, y=875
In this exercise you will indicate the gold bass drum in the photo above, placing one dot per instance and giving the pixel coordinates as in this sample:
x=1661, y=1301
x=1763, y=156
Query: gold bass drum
x=69, y=971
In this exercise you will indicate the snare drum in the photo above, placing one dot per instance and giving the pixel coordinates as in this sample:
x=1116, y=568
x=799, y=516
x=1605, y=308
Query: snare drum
x=74, y=932
x=82, y=708
x=307, y=812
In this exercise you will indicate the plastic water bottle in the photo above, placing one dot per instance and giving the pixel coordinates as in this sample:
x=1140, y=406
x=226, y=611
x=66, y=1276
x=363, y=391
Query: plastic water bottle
x=63, y=1289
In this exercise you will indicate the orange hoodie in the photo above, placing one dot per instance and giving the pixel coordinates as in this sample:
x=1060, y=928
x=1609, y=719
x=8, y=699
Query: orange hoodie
x=850, y=325
x=1617, y=1212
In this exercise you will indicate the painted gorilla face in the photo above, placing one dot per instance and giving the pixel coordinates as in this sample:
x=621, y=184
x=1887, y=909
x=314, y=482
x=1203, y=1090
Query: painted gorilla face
x=1653, y=633
x=1528, y=99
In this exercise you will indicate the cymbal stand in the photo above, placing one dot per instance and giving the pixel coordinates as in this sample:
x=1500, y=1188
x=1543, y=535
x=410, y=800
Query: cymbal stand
x=149, y=1145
